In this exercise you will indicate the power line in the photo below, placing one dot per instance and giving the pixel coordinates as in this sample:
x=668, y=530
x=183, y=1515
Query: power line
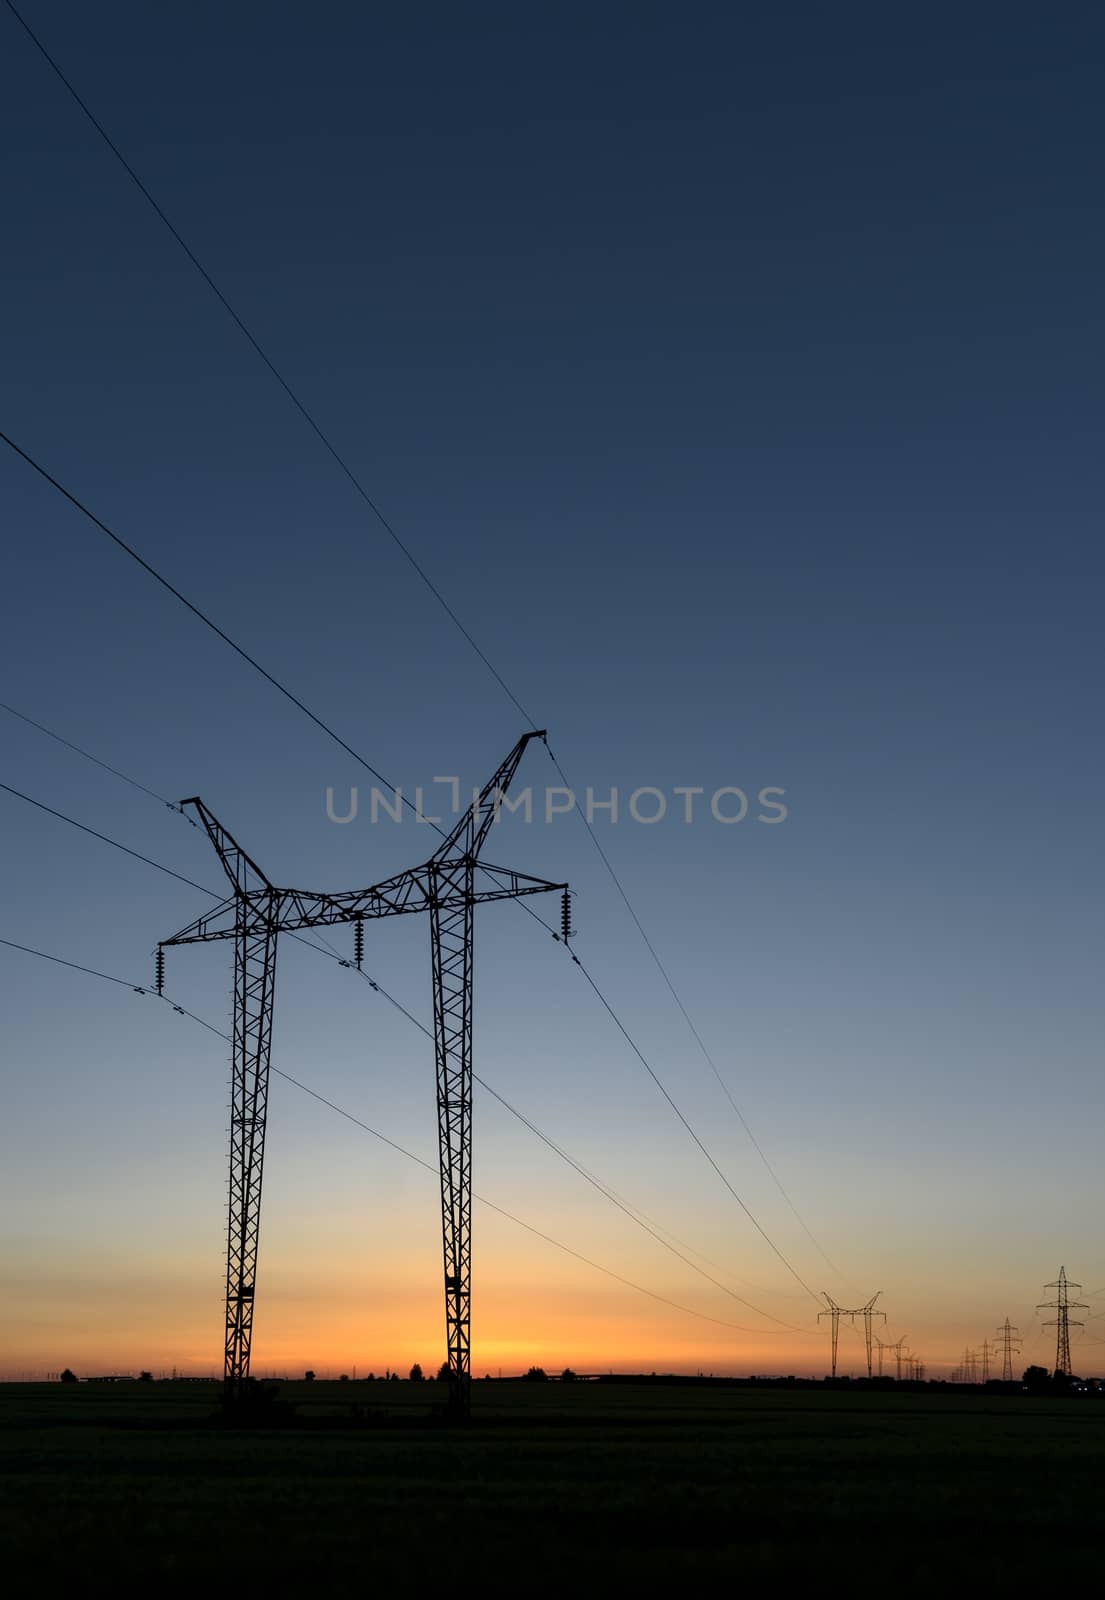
x=202, y=615
x=268, y=676
x=602, y=1188
x=605, y=859
x=76, y=966
x=384, y=1139
x=330, y=448
x=408, y=554
x=179, y=811
x=631, y=1211
x=552, y=1145
x=170, y=805
x=115, y=844
x=115, y=772
x=19, y=795
x=656, y=1080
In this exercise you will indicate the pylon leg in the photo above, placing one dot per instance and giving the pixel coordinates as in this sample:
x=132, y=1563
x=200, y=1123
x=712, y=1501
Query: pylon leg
x=254, y=979
x=451, y=940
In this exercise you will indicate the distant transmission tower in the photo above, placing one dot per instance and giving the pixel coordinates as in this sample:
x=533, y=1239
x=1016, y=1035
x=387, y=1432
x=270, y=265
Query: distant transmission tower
x=1010, y=1341
x=985, y=1360
x=1063, y=1305
x=867, y=1312
x=900, y=1355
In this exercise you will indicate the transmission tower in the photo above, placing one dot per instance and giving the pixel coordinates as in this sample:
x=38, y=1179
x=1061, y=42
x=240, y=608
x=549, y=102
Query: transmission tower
x=985, y=1360
x=900, y=1355
x=1010, y=1340
x=867, y=1312
x=1063, y=1305
x=253, y=915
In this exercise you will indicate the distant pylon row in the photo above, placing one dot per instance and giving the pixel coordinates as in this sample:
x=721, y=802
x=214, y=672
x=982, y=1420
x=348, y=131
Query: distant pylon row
x=906, y=1362
x=902, y=1357
x=975, y=1366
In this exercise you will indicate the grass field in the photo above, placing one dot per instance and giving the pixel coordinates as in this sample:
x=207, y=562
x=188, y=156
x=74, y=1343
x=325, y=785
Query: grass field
x=575, y=1486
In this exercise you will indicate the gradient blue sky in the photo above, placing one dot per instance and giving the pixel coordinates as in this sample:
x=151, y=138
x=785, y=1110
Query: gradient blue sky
x=736, y=375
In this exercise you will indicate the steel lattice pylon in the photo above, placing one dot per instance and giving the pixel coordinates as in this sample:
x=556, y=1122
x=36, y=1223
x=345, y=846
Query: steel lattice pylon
x=253, y=916
x=1010, y=1342
x=1063, y=1305
x=867, y=1312
x=900, y=1354
x=254, y=978
x=451, y=942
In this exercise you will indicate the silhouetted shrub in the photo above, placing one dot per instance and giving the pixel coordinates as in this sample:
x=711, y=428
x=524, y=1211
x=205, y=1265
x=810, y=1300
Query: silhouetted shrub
x=257, y=1405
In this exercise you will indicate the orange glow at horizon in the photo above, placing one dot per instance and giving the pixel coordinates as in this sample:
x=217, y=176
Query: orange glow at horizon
x=141, y=1321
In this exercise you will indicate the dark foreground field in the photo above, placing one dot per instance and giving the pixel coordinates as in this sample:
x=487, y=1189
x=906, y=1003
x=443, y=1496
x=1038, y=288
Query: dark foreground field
x=575, y=1486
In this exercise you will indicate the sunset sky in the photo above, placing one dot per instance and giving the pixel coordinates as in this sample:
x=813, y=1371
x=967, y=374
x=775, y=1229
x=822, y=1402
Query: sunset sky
x=736, y=376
